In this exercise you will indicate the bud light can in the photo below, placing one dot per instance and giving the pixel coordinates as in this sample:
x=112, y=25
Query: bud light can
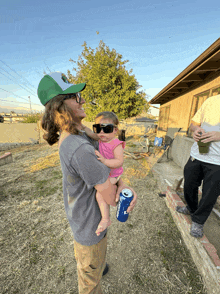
x=125, y=199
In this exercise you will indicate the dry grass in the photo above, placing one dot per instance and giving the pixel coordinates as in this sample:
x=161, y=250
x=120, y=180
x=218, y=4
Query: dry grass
x=46, y=162
x=146, y=254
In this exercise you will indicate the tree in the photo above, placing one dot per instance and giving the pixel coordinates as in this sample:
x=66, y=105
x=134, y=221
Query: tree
x=108, y=84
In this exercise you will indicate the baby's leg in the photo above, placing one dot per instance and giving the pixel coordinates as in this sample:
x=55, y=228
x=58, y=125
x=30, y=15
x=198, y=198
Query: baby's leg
x=104, y=208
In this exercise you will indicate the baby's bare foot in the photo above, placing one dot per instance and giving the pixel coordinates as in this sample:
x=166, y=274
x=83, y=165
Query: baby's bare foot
x=104, y=223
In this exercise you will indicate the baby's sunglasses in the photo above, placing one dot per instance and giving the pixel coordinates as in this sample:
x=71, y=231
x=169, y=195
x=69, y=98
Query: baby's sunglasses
x=107, y=128
x=76, y=96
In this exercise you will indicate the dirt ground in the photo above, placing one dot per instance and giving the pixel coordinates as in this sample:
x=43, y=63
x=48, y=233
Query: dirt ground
x=146, y=254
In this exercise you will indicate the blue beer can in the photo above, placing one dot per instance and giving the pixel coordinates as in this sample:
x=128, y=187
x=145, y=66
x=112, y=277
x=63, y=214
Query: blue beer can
x=125, y=199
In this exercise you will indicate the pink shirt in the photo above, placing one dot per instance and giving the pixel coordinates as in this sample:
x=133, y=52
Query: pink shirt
x=106, y=149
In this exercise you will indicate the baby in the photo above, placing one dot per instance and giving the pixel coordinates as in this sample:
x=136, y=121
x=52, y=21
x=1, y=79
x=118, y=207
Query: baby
x=111, y=154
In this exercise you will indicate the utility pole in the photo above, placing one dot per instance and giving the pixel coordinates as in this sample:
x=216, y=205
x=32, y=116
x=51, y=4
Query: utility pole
x=30, y=103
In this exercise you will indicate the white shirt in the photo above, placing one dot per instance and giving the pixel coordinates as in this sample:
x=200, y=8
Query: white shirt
x=209, y=118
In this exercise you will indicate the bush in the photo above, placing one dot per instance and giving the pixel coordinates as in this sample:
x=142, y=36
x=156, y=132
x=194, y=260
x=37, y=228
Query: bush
x=33, y=118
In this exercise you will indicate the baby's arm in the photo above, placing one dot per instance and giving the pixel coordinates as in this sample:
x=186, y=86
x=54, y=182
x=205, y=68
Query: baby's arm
x=116, y=162
x=90, y=133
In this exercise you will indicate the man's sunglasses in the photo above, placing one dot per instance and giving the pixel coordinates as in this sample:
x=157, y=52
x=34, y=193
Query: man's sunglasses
x=107, y=128
x=76, y=96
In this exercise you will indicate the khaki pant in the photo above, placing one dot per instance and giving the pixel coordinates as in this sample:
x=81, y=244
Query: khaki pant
x=90, y=266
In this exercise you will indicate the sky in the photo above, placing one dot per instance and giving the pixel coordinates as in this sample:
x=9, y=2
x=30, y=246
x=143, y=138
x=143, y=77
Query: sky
x=160, y=39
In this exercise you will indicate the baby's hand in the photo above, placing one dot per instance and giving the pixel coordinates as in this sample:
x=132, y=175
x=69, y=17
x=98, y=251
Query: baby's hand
x=99, y=156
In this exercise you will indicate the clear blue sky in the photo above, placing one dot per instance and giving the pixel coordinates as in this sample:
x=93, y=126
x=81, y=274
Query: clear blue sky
x=159, y=38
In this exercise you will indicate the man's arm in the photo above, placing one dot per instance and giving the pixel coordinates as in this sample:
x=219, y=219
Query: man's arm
x=194, y=126
x=108, y=192
x=90, y=133
x=121, y=185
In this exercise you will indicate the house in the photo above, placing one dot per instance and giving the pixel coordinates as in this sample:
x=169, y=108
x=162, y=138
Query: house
x=183, y=96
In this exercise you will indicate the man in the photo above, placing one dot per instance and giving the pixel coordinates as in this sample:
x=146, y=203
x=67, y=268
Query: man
x=205, y=167
x=83, y=175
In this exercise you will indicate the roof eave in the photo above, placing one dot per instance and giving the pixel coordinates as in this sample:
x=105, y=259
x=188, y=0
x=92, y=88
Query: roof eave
x=210, y=51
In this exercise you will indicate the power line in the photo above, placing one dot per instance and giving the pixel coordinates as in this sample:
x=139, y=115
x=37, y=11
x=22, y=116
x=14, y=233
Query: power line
x=15, y=78
x=47, y=66
x=38, y=73
x=15, y=102
x=18, y=74
x=18, y=84
x=14, y=94
x=20, y=102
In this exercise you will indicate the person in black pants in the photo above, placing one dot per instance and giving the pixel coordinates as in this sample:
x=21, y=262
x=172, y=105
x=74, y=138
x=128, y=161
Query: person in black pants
x=203, y=166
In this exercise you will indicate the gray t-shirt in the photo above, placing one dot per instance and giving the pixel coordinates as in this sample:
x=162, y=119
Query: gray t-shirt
x=81, y=172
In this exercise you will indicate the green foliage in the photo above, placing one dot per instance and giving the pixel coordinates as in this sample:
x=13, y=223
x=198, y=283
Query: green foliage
x=33, y=118
x=108, y=83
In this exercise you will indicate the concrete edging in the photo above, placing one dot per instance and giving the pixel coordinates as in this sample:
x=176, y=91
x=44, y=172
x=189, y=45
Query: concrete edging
x=6, y=158
x=202, y=251
x=8, y=146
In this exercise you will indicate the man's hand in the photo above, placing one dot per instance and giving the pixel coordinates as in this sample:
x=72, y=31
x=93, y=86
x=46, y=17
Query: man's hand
x=100, y=157
x=197, y=135
x=210, y=137
x=122, y=186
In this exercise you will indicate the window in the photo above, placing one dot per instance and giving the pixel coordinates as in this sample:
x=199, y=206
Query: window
x=164, y=118
x=196, y=104
x=198, y=101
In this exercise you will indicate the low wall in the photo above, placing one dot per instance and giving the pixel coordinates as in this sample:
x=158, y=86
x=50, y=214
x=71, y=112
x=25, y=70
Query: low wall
x=202, y=251
x=6, y=158
x=180, y=150
x=21, y=132
x=131, y=129
x=15, y=135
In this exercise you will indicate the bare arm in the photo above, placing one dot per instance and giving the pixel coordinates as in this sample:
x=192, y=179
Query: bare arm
x=196, y=129
x=108, y=192
x=194, y=126
x=116, y=162
x=90, y=133
x=121, y=185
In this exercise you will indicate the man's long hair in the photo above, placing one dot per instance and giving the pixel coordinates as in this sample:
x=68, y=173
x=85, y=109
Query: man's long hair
x=57, y=117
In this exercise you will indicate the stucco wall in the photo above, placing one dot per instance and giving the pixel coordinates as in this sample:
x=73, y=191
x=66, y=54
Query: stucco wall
x=11, y=133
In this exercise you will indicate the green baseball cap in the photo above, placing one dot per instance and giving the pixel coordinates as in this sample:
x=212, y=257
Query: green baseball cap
x=54, y=84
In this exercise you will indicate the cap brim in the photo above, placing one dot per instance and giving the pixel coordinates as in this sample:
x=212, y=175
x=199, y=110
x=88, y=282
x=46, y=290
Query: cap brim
x=75, y=88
